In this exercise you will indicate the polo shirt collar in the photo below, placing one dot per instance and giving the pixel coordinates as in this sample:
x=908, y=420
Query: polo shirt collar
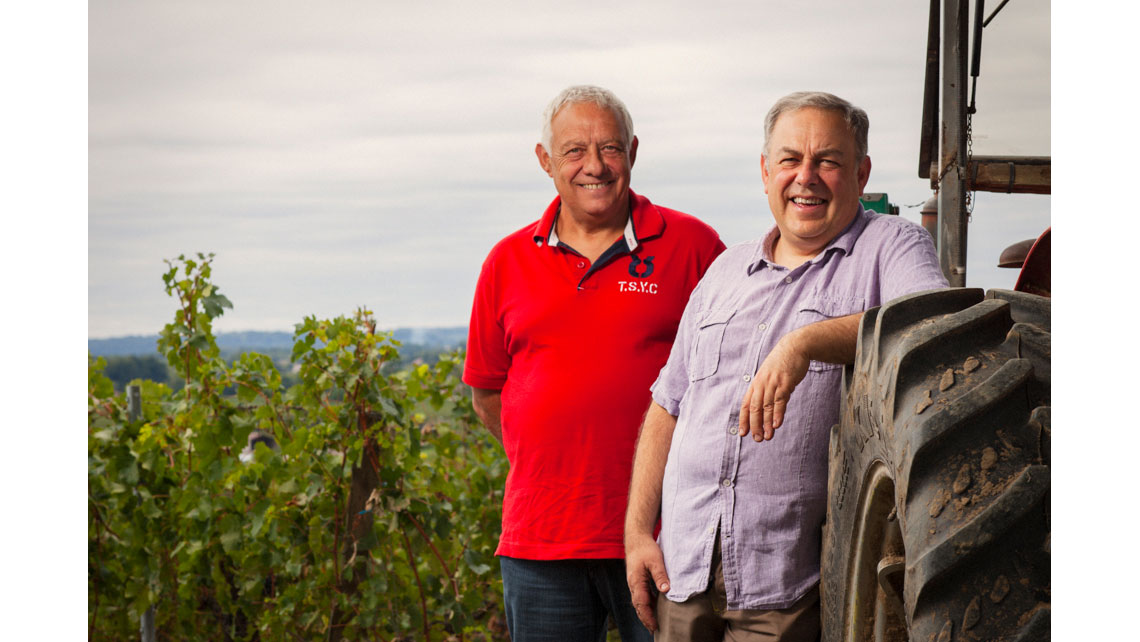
x=842, y=243
x=644, y=222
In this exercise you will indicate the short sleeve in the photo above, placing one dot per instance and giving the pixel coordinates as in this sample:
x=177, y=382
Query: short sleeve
x=487, y=358
x=711, y=247
x=673, y=380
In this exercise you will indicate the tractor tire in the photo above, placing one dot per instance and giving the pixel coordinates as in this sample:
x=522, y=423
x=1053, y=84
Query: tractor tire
x=938, y=521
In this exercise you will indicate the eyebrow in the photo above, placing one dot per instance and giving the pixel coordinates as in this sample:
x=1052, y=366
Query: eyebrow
x=828, y=151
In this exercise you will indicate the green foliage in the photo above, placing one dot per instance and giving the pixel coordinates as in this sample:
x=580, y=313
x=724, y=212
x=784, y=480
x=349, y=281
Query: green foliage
x=376, y=518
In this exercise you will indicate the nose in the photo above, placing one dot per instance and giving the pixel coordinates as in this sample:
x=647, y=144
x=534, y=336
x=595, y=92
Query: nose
x=593, y=164
x=807, y=173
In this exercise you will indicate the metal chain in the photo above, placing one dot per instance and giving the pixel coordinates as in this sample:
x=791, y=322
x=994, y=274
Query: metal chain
x=969, y=157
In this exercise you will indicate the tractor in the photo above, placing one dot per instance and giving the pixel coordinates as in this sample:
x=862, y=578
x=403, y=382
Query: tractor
x=938, y=524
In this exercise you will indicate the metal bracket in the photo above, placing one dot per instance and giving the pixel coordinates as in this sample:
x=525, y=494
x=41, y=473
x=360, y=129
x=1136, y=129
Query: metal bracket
x=890, y=574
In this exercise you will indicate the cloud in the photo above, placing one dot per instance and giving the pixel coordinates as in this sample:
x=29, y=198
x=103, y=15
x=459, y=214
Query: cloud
x=368, y=153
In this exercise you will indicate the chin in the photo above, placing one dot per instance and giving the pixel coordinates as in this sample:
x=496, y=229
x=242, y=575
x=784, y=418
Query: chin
x=809, y=233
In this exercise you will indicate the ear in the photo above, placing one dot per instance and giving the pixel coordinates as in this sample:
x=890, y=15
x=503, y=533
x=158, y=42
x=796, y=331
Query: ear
x=633, y=151
x=543, y=159
x=764, y=171
x=864, y=173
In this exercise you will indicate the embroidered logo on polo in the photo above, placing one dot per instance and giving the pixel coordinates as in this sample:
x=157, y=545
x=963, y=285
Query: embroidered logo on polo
x=641, y=270
x=637, y=286
x=635, y=263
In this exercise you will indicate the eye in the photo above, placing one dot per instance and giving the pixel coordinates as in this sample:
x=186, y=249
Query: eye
x=613, y=149
x=789, y=162
x=829, y=163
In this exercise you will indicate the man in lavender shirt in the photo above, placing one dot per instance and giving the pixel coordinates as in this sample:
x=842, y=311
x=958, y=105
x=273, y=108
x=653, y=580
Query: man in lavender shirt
x=738, y=552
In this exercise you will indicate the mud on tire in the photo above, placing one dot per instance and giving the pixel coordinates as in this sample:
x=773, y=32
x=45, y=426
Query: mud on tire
x=938, y=511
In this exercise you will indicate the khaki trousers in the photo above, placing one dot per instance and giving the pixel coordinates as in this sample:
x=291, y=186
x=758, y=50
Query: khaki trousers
x=704, y=617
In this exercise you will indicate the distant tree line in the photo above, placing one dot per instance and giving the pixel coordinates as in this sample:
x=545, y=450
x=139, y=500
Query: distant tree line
x=123, y=369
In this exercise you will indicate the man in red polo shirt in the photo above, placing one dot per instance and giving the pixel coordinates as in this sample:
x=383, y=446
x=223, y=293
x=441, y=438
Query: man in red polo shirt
x=574, y=316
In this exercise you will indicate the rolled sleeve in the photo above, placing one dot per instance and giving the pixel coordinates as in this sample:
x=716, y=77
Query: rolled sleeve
x=673, y=380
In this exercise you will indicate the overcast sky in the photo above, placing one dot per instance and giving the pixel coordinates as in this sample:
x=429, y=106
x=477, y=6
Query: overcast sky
x=367, y=153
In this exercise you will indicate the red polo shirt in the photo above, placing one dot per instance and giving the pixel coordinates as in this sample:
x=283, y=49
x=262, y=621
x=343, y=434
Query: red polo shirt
x=574, y=347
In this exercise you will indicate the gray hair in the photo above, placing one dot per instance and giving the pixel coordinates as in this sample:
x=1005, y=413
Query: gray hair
x=855, y=117
x=586, y=94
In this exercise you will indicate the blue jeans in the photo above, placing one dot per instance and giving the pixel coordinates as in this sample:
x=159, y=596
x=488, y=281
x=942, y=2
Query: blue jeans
x=568, y=600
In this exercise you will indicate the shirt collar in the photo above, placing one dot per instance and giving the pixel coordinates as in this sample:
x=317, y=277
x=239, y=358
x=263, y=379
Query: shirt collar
x=841, y=243
x=644, y=222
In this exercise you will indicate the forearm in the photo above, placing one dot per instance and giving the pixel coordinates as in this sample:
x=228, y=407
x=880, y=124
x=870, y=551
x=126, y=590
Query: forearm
x=830, y=341
x=488, y=405
x=648, y=472
x=644, y=564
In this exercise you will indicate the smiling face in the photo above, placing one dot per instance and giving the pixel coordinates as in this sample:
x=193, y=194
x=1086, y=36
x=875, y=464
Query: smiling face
x=813, y=179
x=590, y=163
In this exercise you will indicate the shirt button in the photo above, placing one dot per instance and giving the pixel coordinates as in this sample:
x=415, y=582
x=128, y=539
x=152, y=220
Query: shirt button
x=581, y=264
x=726, y=483
x=763, y=326
x=734, y=431
x=747, y=377
x=788, y=279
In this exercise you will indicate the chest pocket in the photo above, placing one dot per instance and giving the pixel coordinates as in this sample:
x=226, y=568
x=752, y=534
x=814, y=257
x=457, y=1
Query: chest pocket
x=704, y=358
x=821, y=308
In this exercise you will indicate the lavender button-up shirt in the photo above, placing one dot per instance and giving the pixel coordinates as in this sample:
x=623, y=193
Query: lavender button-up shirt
x=768, y=499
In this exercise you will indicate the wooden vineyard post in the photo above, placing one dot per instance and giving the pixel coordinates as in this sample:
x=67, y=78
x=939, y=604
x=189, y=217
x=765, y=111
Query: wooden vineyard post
x=134, y=412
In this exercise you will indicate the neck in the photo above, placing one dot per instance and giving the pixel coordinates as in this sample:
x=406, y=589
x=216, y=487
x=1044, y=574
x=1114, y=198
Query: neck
x=587, y=224
x=791, y=256
x=567, y=225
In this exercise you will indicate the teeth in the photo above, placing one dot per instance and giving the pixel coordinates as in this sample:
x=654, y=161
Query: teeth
x=593, y=186
x=807, y=201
